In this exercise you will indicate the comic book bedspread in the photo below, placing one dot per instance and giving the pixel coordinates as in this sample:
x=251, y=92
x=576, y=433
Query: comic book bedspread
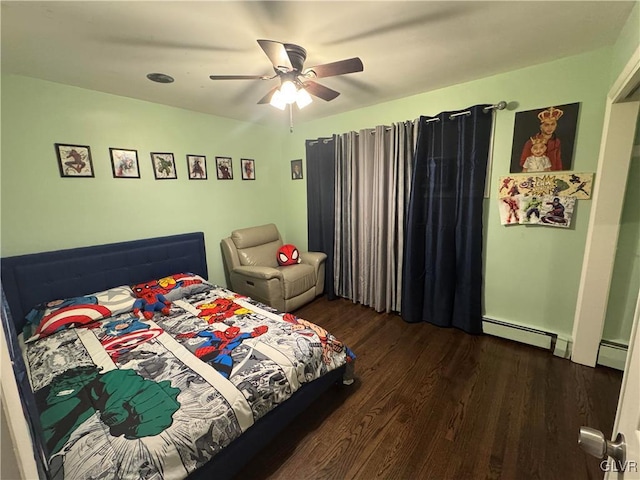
x=132, y=398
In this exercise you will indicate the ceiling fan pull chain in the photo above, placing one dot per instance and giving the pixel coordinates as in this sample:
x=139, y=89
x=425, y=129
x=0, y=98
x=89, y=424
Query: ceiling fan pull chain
x=290, y=118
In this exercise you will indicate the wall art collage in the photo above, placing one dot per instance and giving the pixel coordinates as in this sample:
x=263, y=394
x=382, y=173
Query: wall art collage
x=540, y=190
x=75, y=161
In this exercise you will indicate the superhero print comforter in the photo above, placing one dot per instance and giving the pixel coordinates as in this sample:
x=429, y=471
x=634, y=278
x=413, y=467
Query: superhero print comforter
x=131, y=398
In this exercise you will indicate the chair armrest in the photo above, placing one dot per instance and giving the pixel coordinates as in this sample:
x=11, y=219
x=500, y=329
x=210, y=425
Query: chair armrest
x=313, y=258
x=316, y=260
x=264, y=273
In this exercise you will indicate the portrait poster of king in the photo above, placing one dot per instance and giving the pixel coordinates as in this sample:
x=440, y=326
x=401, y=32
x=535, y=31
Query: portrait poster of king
x=544, y=139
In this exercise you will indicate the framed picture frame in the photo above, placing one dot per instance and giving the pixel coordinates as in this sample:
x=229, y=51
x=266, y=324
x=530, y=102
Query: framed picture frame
x=248, y=168
x=164, y=166
x=197, y=167
x=296, y=169
x=224, y=168
x=544, y=139
x=74, y=160
x=124, y=163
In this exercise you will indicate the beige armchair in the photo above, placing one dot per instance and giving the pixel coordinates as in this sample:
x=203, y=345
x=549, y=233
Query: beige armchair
x=252, y=269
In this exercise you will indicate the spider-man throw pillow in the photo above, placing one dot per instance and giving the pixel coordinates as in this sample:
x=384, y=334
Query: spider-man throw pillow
x=288, y=255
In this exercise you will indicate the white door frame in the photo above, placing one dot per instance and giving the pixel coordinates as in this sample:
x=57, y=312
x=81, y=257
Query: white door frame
x=604, y=222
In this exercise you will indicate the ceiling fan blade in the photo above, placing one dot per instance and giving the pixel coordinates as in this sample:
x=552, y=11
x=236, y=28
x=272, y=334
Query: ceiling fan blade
x=267, y=97
x=239, y=77
x=341, y=67
x=277, y=53
x=320, y=91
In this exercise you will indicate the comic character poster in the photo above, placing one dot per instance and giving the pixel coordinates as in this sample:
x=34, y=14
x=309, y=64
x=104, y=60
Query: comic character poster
x=530, y=210
x=510, y=210
x=556, y=211
x=544, y=139
x=566, y=184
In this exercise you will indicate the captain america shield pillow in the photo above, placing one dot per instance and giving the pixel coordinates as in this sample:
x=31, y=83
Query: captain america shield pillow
x=288, y=255
x=50, y=317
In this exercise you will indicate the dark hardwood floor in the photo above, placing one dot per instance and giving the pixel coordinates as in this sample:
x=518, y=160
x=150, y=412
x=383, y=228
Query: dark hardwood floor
x=434, y=403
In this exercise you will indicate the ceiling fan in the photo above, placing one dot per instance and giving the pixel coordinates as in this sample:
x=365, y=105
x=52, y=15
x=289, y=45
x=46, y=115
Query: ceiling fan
x=296, y=81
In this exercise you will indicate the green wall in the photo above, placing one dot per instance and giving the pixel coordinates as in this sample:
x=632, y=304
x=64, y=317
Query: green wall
x=532, y=273
x=41, y=211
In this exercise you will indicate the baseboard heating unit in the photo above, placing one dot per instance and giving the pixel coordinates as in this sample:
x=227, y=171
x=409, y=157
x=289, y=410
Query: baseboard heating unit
x=612, y=354
x=519, y=333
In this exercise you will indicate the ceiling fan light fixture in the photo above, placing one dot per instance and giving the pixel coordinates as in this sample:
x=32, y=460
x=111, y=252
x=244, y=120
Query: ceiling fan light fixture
x=277, y=100
x=296, y=85
x=288, y=91
x=303, y=98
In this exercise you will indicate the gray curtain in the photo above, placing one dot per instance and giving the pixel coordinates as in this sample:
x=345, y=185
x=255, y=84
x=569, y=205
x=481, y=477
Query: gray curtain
x=372, y=183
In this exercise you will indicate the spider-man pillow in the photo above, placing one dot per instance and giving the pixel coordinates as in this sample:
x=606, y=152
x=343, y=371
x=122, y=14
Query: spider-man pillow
x=288, y=255
x=180, y=285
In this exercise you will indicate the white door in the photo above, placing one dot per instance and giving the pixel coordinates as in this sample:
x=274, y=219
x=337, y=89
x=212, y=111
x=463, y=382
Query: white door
x=621, y=455
x=627, y=421
x=628, y=416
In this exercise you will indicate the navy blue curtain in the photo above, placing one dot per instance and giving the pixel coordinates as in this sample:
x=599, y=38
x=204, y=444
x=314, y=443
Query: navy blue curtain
x=442, y=273
x=321, y=203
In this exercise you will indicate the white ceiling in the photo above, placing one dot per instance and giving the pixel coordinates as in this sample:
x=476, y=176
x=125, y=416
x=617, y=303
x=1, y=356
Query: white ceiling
x=407, y=47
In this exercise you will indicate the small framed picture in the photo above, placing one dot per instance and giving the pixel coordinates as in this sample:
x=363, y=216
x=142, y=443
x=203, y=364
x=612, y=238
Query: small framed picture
x=164, y=166
x=248, y=169
x=124, y=163
x=296, y=169
x=224, y=168
x=197, y=167
x=74, y=160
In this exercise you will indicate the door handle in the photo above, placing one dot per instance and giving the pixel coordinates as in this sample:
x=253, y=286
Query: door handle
x=594, y=443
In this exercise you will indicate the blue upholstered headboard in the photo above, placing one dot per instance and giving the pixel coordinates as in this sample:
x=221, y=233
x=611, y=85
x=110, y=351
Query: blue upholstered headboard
x=28, y=280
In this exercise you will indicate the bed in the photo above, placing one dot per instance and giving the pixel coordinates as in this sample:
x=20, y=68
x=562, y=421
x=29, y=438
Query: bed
x=114, y=389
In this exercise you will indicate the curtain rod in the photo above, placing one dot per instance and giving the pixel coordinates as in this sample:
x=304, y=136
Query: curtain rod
x=324, y=140
x=373, y=130
x=501, y=105
x=327, y=140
